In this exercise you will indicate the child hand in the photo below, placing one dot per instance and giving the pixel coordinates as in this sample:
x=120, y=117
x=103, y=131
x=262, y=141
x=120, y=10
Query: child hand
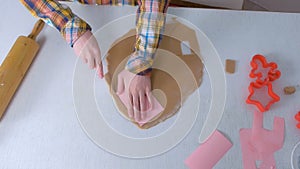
x=86, y=47
x=137, y=88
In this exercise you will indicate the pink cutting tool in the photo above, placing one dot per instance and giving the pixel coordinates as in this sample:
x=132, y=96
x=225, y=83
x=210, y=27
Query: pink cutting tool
x=209, y=153
x=259, y=144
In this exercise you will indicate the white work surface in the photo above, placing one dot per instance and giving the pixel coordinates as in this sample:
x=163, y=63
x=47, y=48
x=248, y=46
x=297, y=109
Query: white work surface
x=40, y=128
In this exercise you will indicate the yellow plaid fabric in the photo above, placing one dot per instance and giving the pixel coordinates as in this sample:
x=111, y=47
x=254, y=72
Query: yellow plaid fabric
x=149, y=25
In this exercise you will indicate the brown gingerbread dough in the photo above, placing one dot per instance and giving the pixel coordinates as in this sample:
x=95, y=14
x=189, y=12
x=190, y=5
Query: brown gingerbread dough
x=174, y=76
x=230, y=66
x=289, y=90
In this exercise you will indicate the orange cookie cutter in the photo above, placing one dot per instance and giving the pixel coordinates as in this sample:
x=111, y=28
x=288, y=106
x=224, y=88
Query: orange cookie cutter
x=273, y=73
x=252, y=87
x=297, y=117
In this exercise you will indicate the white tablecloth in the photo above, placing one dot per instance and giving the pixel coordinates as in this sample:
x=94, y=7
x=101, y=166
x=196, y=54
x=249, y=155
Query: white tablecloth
x=40, y=128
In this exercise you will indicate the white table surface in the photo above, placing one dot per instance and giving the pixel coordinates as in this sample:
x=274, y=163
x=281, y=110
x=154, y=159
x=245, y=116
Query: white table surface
x=41, y=130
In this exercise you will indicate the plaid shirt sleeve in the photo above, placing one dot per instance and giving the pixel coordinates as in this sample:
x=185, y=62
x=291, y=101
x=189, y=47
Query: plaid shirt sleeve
x=149, y=27
x=59, y=16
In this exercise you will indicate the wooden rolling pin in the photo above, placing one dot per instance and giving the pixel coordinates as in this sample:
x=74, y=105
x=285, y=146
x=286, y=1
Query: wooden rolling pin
x=16, y=64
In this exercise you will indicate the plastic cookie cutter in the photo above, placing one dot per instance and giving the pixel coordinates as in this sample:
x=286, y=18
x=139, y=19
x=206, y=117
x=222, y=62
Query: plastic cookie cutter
x=272, y=73
x=262, y=108
x=297, y=117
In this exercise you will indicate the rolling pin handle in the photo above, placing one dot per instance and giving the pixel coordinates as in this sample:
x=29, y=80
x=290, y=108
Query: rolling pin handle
x=36, y=29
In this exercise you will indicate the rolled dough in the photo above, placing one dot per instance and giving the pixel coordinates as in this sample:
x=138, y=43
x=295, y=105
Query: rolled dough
x=174, y=77
x=289, y=90
x=230, y=66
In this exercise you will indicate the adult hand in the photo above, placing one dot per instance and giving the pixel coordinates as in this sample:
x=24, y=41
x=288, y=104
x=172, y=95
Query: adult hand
x=137, y=88
x=86, y=47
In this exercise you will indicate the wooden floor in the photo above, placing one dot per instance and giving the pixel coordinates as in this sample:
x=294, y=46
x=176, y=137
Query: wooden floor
x=248, y=5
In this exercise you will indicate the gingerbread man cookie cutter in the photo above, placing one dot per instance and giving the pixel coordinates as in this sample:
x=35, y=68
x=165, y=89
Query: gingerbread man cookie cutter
x=272, y=74
x=261, y=81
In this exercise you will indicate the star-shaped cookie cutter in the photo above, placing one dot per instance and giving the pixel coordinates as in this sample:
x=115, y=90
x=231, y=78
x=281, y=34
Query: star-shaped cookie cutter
x=273, y=73
x=252, y=87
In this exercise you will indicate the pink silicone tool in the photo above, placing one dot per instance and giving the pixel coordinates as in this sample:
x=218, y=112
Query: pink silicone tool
x=210, y=152
x=259, y=144
x=153, y=111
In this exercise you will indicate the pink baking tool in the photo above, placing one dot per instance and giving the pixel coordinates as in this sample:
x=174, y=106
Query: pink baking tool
x=259, y=144
x=154, y=109
x=210, y=152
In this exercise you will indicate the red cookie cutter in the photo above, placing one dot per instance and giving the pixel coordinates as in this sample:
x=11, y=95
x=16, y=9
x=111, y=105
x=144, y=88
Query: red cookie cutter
x=252, y=87
x=273, y=73
x=297, y=117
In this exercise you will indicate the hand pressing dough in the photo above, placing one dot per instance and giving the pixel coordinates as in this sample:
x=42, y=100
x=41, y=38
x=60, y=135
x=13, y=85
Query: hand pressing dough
x=153, y=110
x=174, y=76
